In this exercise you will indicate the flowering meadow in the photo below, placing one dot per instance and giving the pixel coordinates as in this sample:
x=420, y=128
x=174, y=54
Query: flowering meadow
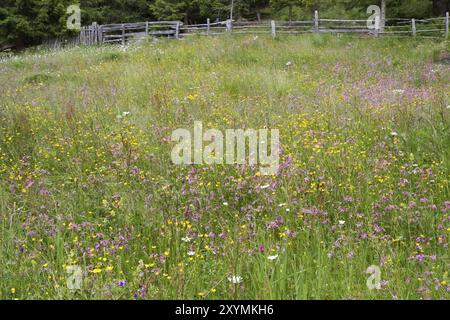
x=86, y=179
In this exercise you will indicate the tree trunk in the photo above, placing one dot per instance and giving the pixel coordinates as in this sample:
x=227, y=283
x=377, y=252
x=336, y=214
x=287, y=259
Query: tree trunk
x=186, y=16
x=258, y=15
x=231, y=10
x=383, y=15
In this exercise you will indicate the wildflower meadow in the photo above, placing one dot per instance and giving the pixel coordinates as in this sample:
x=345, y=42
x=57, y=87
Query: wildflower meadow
x=93, y=207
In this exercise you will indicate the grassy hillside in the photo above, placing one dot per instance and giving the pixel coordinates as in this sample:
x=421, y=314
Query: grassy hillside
x=86, y=177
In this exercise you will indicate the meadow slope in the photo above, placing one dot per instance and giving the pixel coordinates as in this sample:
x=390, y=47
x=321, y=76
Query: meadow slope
x=86, y=178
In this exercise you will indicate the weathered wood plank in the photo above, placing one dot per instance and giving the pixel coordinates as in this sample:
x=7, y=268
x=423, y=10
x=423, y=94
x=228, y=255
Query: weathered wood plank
x=316, y=21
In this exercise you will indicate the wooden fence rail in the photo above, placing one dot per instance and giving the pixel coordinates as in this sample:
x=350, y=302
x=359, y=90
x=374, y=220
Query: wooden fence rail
x=134, y=32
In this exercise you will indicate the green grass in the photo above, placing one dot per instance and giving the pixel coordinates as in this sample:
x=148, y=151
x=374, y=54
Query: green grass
x=365, y=131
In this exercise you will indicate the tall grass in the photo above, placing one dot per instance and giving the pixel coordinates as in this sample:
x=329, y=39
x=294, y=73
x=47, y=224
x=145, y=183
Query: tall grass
x=365, y=132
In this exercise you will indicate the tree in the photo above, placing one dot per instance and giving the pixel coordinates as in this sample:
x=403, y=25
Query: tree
x=115, y=11
x=440, y=7
x=393, y=8
x=169, y=9
x=290, y=4
x=187, y=10
x=216, y=9
x=27, y=22
x=256, y=6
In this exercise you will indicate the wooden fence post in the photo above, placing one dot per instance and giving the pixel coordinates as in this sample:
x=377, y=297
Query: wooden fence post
x=274, y=31
x=146, y=28
x=100, y=34
x=316, y=21
x=413, y=25
x=94, y=32
x=229, y=25
x=208, y=26
x=377, y=26
x=123, y=34
x=177, y=30
x=446, y=24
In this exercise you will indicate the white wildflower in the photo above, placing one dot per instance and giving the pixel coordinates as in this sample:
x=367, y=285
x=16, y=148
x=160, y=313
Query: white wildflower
x=235, y=279
x=123, y=115
x=272, y=257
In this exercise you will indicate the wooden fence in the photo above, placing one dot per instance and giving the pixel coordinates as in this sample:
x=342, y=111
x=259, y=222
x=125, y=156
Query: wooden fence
x=134, y=32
